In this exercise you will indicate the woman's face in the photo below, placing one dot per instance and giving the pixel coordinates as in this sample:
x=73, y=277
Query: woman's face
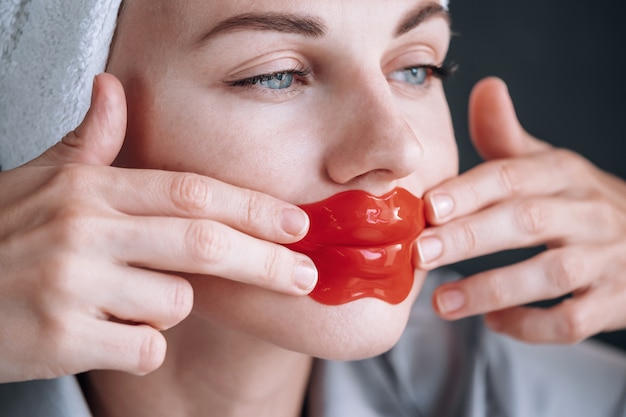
x=300, y=100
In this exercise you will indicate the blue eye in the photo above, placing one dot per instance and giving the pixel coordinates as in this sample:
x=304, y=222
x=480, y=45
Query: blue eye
x=276, y=81
x=413, y=75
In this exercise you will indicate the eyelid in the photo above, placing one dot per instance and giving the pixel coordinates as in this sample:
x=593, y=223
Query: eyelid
x=410, y=55
x=266, y=65
x=443, y=71
x=256, y=79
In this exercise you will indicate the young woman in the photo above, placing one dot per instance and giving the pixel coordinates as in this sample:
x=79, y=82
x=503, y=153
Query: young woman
x=303, y=102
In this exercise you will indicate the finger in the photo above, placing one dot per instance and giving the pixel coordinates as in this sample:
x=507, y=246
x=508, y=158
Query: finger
x=544, y=174
x=510, y=225
x=137, y=349
x=494, y=127
x=98, y=139
x=546, y=276
x=142, y=296
x=573, y=320
x=162, y=193
x=211, y=248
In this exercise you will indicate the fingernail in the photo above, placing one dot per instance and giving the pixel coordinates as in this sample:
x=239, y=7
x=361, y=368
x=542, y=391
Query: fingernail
x=294, y=222
x=429, y=248
x=442, y=205
x=450, y=301
x=306, y=276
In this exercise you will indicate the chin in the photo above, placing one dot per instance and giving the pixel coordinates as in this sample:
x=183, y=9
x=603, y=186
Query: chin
x=356, y=330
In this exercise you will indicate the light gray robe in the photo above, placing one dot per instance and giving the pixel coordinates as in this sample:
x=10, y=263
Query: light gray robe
x=438, y=369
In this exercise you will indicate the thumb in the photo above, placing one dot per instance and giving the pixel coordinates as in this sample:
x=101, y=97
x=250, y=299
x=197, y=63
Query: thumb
x=494, y=128
x=98, y=139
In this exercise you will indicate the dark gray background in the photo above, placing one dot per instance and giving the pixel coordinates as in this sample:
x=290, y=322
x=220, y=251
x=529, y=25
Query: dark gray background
x=564, y=62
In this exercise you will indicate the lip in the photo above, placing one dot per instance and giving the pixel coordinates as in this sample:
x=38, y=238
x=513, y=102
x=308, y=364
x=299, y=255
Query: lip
x=361, y=245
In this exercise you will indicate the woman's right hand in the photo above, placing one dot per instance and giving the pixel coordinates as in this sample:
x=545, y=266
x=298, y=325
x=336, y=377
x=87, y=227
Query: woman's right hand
x=85, y=250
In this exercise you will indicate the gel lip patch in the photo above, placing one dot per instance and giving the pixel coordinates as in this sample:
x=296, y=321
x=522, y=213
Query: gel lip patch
x=361, y=245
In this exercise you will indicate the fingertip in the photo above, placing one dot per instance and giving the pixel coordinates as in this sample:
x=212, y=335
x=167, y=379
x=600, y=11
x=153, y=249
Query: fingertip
x=295, y=222
x=180, y=304
x=111, y=87
x=450, y=302
x=488, y=83
x=489, y=99
x=99, y=137
x=112, y=97
x=151, y=352
x=429, y=251
x=439, y=207
x=305, y=277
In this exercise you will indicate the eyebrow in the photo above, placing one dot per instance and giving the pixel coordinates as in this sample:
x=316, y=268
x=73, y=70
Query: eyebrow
x=312, y=27
x=420, y=14
x=308, y=26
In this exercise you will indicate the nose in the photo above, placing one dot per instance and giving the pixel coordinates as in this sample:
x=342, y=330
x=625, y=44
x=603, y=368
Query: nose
x=374, y=142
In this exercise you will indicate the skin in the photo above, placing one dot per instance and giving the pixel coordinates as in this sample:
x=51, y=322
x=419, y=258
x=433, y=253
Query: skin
x=73, y=303
x=65, y=316
x=325, y=136
x=349, y=125
x=579, y=213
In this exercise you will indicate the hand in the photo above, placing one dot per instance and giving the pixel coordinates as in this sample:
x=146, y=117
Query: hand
x=527, y=194
x=84, y=250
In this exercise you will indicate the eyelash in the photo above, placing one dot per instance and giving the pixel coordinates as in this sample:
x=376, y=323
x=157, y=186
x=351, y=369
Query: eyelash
x=252, y=81
x=422, y=74
x=443, y=72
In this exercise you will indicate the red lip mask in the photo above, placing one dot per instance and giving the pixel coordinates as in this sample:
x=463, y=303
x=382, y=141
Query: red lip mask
x=361, y=245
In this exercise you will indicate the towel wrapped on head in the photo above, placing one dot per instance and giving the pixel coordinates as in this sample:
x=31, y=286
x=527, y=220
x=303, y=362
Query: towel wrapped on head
x=51, y=51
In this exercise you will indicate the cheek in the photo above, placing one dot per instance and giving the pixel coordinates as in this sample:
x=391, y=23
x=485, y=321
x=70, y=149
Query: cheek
x=235, y=143
x=436, y=133
x=443, y=160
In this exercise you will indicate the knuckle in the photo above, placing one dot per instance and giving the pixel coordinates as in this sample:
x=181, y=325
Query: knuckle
x=252, y=210
x=272, y=269
x=575, y=325
x=206, y=243
x=569, y=161
x=605, y=215
x=151, y=352
x=531, y=217
x=72, y=179
x=497, y=292
x=605, y=211
x=55, y=336
x=466, y=238
x=510, y=178
x=565, y=271
x=569, y=164
x=180, y=300
x=190, y=193
x=73, y=226
x=57, y=278
x=56, y=286
x=472, y=195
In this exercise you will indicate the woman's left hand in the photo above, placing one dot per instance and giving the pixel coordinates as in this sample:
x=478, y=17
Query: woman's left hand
x=529, y=193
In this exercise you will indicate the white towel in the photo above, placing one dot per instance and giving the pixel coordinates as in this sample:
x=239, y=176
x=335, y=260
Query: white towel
x=51, y=50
